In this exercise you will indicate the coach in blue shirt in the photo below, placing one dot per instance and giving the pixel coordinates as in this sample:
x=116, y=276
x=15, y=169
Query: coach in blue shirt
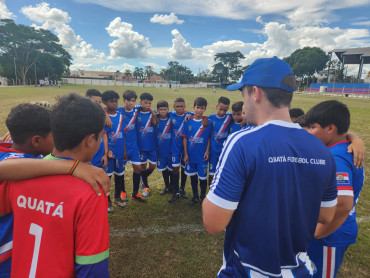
x=272, y=184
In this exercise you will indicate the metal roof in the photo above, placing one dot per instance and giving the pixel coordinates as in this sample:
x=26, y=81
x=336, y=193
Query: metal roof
x=353, y=55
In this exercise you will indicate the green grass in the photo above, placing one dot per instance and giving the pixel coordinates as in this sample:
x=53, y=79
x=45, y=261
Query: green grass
x=159, y=239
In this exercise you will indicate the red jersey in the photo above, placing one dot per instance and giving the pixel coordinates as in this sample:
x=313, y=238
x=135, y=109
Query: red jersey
x=58, y=221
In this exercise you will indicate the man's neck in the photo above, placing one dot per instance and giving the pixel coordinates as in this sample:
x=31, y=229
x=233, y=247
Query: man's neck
x=198, y=117
x=71, y=154
x=336, y=139
x=111, y=112
x=271, y=113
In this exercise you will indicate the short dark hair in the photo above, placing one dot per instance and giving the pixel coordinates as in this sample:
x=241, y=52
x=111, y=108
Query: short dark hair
x=162, y=103
x=73, y=118
x=200, y=101
x=224, y=100
x=237, y=106
x=179, y=99
x=296, y=112
x=93, y=93
x=109, y=95
x=27, y=120
x=330, y=112
x=129, y=94
x=301, y=120
x=146, y=96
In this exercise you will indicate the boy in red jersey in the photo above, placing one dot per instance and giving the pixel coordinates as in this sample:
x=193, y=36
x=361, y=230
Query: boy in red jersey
x=58, y=221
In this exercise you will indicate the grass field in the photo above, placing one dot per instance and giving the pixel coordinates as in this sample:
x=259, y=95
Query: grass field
x=159, y=239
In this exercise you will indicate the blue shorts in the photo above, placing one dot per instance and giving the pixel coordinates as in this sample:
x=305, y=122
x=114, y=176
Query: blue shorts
x=213, y=160
x=178, y=159
x=163, y=163
x=150, y=157
x=326, y=260
x=115, y=166
x=133, y=155
x=199, y=168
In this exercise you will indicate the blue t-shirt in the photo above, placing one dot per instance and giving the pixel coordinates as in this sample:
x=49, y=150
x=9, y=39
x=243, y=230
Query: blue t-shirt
x=145, y=131
x=220, y=128
x=197, y=137
x=96, y=160
x=237, y=126
x=163, y=132
x=129, y=122
x=275, y=177
x=7, y=220
x=177, y=127
x=349, y=182
x=115, y=134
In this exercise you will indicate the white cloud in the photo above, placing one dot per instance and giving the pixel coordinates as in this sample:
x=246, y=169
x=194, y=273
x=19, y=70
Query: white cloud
x=361, y=23
x=180, y=49
x=4, y=12
x=166, y=19
x=156, y=67
x=130, y=44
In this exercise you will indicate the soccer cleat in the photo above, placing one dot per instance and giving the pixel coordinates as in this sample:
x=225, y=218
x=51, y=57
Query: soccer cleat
x=110, y=208
x=124, y=196
x=138, y=197
x=174, y=197
x=164, y=191
x=119, y=202
x=194, y=200
x=183, y=194
x=146, y=192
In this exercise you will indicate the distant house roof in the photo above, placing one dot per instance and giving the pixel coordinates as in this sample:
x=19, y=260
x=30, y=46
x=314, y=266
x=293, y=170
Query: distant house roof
x=353, y=55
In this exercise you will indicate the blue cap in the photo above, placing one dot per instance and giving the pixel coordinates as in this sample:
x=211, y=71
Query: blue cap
x=265, y=72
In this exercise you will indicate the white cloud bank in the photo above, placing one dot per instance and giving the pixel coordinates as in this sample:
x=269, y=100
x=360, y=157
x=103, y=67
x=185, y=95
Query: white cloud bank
x=180, y=50
x=166, y=19
x=4, y=12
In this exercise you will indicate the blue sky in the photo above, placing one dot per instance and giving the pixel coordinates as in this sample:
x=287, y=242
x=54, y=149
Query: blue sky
x=123, y=34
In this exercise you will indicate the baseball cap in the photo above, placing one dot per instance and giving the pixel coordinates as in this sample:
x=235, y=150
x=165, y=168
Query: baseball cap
x=265, y=72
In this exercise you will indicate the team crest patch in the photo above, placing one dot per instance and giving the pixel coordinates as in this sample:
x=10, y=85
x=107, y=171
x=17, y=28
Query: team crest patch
x=139, y=119
x=189, y=127
x=342, y=178
x=173, y=121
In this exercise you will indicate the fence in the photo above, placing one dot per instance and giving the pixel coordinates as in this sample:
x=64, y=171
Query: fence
x=356, y=89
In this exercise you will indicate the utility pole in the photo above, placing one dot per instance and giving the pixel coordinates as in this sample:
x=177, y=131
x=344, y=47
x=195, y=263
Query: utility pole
x=15, y=71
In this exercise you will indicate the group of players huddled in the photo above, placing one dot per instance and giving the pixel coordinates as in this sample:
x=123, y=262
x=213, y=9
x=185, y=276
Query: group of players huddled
x=70, y=222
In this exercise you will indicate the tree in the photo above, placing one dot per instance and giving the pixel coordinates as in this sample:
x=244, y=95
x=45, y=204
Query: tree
x=128, y=73
x=230, y=61
x=177, y=72
x=24, y=47
x=335, y=68
x=307, y=61
x=149, y=72
x=220, y=72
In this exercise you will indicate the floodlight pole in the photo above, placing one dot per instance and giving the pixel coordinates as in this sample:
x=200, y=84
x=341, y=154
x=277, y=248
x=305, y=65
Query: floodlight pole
x=15, y=71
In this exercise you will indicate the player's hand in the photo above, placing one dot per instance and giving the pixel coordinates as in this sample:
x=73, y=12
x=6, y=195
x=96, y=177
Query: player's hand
x=124, y=156
x=357, y=148
x=205, y=121
x=187, y=117
x=104, y=160
x=243, y=123
x=94, y=176
x=108, y=121
x=110, y=154
x=154, y=119
x=7, y=137
x=205, y=156
x=186, y=159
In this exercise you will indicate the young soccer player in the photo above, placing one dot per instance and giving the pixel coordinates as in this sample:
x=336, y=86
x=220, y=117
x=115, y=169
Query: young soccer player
x=220, y=126
x=196, y=150
x=129, y=112
x=100, y=159
x=56, y=223
x=329, y=121
x=146, y=140
x=163, y=134
x=116, y=145
x=294, y=113
x=237, y=109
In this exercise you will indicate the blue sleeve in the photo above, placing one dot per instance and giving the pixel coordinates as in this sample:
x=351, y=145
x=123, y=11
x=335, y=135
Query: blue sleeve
x=330, y=195
x=98, y=270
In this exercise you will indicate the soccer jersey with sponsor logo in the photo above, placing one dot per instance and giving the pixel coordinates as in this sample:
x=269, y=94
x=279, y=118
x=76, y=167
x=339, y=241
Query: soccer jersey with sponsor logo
x=349, y=182
x=275, y=177
x=177, y=128
x=115, y=134
x=197, y=137
x=60, y=227
x=6, y=220
x=96, y=160
x=220, y=128
x=145, y=131
x=129, y=123
x=163, y=132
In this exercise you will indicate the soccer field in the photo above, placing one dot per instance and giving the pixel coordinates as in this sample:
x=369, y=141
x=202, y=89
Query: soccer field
x=158, y=239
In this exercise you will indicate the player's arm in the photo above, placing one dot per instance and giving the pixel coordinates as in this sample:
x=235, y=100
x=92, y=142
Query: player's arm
x=356, y=147
x=108, y=121
x=104, y=159
x=343, y=208
x=154, y=117
x=7, y=137
x=185, y=144
x=215, y=218
x=206, y=154
x=205, y=121
x=28, y=168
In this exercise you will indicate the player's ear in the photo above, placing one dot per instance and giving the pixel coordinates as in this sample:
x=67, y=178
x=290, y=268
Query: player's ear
x=332, y=129
x=257, y=94
x=90, y=140
x=36, y=141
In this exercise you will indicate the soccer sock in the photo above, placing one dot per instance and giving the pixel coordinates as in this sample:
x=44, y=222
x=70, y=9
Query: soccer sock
x=144, y=175
x=166, y=178
x=118, y=184
x=203, y=188
x=175, y=182
x=183, y=178
x=194, y=185
x=136, y=183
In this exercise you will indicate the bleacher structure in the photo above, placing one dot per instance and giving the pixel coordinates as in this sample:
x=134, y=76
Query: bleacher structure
x=359, y=89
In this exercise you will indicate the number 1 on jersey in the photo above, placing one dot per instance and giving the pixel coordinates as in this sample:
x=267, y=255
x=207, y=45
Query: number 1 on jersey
x=35, y=230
